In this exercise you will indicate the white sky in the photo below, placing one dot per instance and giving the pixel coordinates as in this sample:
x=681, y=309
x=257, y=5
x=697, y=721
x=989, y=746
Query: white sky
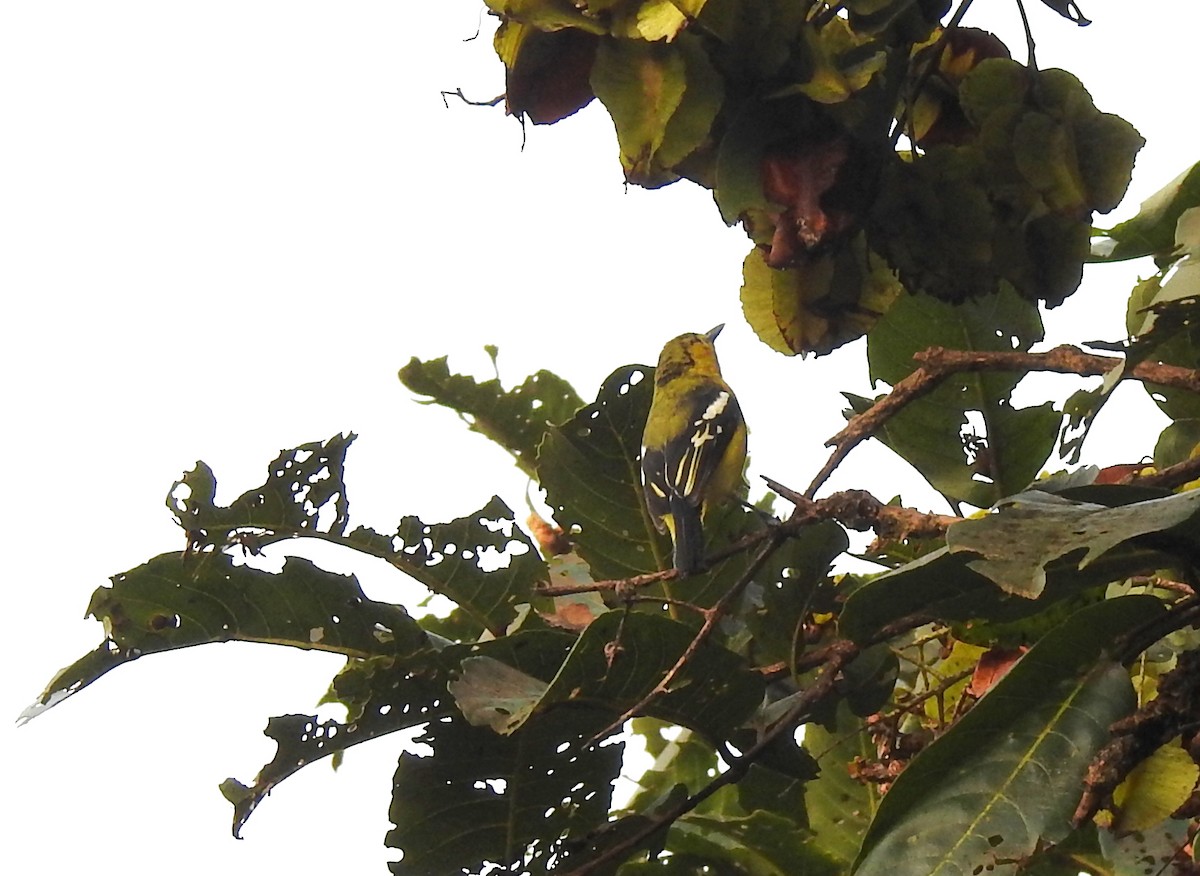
x=224, y=226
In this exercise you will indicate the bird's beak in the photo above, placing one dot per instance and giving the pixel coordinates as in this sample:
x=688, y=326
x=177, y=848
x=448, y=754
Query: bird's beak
x=712, y=333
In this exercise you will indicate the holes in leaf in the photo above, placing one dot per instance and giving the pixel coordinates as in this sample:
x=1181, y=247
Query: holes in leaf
x=160, y=622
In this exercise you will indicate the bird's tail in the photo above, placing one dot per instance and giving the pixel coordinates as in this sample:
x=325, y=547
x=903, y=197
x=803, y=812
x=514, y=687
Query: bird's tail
x=688, y=534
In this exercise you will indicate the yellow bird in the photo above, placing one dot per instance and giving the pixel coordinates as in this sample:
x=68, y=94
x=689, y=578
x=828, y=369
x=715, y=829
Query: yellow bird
x=694, y=444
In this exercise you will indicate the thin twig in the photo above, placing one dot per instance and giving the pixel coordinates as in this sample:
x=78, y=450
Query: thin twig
x=1029, y=44
x=711, y=617
x=937, y=363
x=458, y=92
x=854, y=509
x=820, y=688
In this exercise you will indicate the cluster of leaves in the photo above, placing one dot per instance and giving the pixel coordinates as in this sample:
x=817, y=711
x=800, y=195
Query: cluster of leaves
x=790, y=113
x=907, y=682
x=1011, y=692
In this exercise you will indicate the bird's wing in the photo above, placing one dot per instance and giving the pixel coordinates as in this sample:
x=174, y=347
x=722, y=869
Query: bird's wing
x=691, y=457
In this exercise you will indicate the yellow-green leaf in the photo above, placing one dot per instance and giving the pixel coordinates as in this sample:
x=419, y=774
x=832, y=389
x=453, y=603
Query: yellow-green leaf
x=1157, y=787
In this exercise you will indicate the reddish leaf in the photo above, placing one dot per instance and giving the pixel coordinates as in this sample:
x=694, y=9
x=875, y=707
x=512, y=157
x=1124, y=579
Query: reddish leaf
x=797, y=178
x=549, y=79
x=992, y=667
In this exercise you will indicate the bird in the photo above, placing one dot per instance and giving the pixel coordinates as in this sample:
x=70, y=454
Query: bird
x=693, y=445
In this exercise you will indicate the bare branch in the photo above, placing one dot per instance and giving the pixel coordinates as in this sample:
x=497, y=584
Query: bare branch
x=938, y=363
x=458, y=92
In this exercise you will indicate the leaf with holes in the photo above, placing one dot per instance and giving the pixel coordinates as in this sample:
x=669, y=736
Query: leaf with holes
x=1006, y=777
x=589, y=468
x=176, y=601
x=516, y=418
x=386, y=694
x=945, y=586
x=839, y=807
x=1034, y=530
x=498, y=683
x=484, y=562
x=304, y=493
x=621, y=657
x=965, y=437
x=517, y=801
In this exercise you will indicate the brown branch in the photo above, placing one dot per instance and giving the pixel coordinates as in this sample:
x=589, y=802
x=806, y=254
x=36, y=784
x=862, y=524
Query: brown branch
x=1169, y=478
x=860, y=511
x=854, y=509
x=1174, y=712
x=937, y=363
x=712, y=616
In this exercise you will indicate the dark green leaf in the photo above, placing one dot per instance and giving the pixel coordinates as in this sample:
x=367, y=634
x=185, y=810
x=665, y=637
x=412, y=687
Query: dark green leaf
x=839, y=806
x=1177, y=443
x=516, y=418
x=517, y=801
x=1032, y=531
x=943, y=585
x=761, y=844
x=176, y=601
x=304, y=494
x=1068, y=9
x=714, y=694
x=965, y=437
x=589, y=468
x=484, y=562
x=384, y=694
x=1006, y=776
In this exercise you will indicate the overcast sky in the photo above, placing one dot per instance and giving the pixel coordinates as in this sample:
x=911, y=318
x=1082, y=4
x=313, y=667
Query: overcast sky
x=224, y=227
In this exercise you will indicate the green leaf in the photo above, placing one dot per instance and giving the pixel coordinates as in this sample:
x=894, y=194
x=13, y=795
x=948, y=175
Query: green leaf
x=965, y=437
x=304, y=494
x=1177, y=443
x=642, y=85
x=545, y=14
x=1006, y=776
x=517, y=801
x=788, y=600
x=1155, y=849
x=1152, y=230
x=820, y=305
x=179, y=600
x=494, y=694
x=621, y=657
x=383, y=694
x=1155, y=788
x=760, y=844
x=1028, y=533
x=590, y=471
x=483, y=562
x=839, y=806
x=681, y=757
x=943, y=585
x=516, y=418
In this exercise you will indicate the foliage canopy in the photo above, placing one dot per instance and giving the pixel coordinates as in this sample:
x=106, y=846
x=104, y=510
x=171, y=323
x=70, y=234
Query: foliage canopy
x=1006, y=691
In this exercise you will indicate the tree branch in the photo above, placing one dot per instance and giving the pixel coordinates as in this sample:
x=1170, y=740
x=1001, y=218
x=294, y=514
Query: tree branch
x=840, y=654
x=937, y=363
x=854, y=509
